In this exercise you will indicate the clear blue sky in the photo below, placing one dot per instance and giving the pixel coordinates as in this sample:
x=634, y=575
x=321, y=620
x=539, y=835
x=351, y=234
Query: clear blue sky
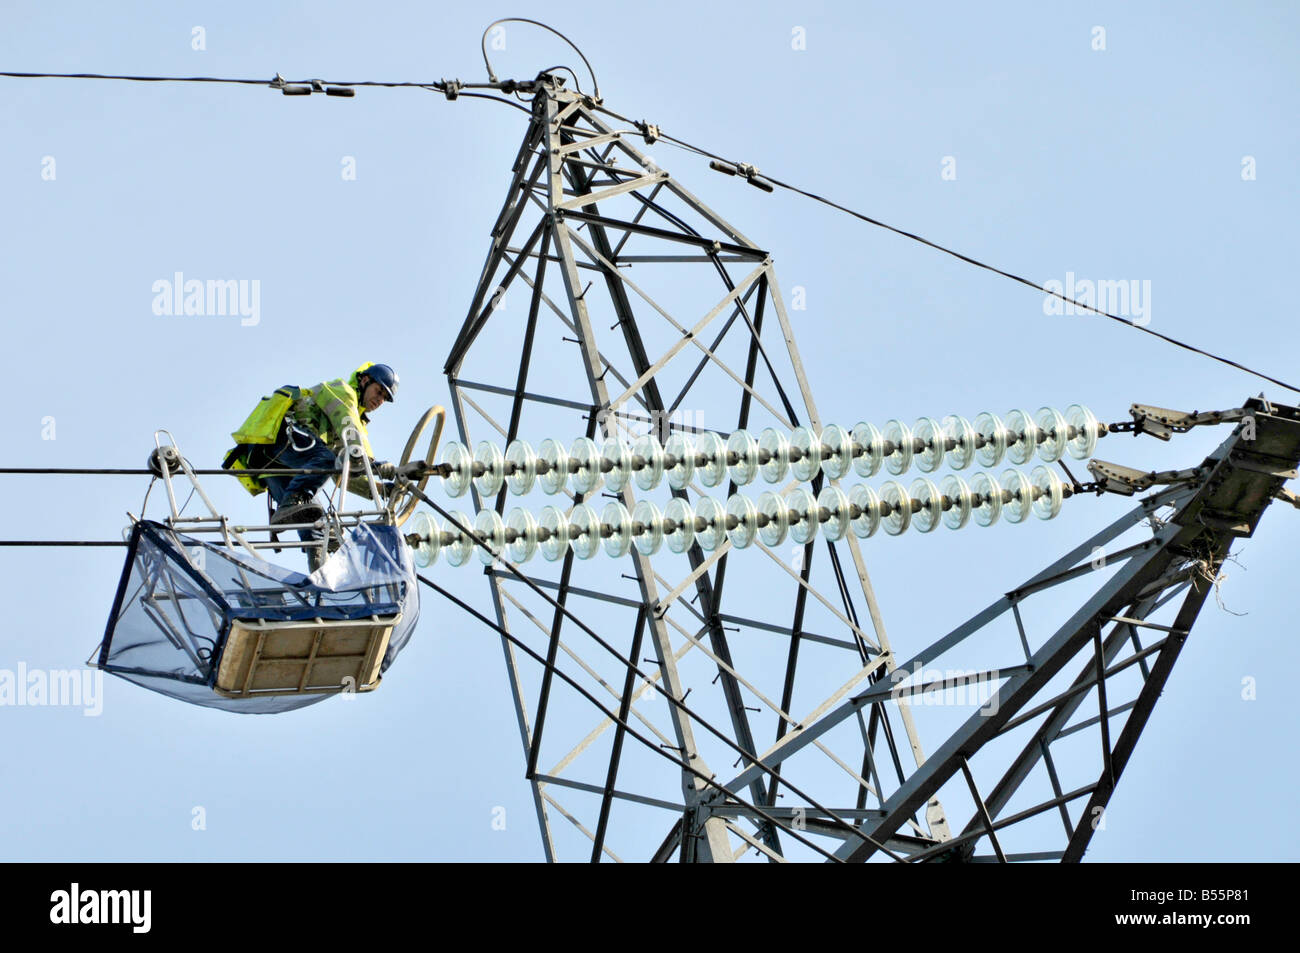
x=1117, y=164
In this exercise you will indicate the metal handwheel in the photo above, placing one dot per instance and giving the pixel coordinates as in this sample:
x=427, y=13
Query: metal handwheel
x=402, y=501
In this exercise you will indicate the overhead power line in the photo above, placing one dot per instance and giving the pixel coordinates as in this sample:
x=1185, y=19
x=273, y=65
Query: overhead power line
x=138, y=79
x=277, y=82
x=1036, y=286
x=452, y=89
x=732, y=167
x=111, y=471
x=62, y=542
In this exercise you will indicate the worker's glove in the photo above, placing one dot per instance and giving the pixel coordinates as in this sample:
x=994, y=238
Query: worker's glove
x=413, y=470
x=385, y=470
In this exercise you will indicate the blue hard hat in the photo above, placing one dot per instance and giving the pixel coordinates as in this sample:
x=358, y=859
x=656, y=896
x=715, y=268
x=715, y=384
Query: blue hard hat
x=384, y=376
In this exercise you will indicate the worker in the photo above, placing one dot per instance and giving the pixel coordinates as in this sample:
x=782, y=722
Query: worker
x=302, y=429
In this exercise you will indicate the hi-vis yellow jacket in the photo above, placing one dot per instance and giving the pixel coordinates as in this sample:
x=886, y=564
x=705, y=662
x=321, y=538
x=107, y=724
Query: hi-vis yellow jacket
x=326, y=410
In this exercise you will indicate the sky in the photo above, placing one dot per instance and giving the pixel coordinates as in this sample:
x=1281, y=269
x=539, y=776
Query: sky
x=1161, y=150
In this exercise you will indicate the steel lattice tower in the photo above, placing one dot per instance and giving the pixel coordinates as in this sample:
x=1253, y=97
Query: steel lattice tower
x=658, y=297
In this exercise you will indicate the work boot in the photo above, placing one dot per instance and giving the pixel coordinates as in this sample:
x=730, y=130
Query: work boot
x=297, y=508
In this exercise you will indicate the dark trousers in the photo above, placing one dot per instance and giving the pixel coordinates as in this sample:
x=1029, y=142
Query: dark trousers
x=295, y=449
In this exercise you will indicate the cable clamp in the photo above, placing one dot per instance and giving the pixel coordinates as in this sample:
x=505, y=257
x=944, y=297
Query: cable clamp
x=750, y=173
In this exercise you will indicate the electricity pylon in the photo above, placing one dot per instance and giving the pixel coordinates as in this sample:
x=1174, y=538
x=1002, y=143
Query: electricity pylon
x=596, y=248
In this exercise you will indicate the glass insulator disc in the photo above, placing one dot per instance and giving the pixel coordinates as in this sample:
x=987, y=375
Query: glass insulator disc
x=456, y=456
x=584, y=531
x=522, y=464
x=619, y=542
x=1022, y=436
x=714, y=531
x=1017, y=485
x=556, y=459
x=584, y=466
x=929, y=431
x=805, y=445
x=651, y=458
x=993, y=439
x=930, y=515
x=837, y=451
x=868, y=449
x=1085, y=428
x=963, y=434
x=959, y=496
x=742, y=511
x=773, y=445
x=555, y=528
x=682, y=516
x=866, y=501
x=647, y=527
x=490, y=528
x=1049, y=491
x=745, y=447
x=681, y=449
x=838, y=512
x=772, y=533
x=894, y=496
x=488, y=456
x=618, y=452
x=425, y=525
x=802, y=514
x=521, y=548
x=710, y=458
x=899, y=459
x=458, y=551
x=987, y=505
x=1055, y=434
